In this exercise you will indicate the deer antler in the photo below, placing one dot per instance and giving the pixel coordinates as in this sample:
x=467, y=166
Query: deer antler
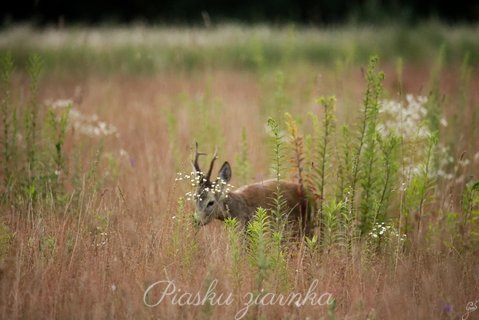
x=215, y=156
x=197, y=155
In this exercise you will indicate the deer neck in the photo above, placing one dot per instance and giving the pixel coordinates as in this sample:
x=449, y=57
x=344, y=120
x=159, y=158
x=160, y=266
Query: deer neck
x=235, y=207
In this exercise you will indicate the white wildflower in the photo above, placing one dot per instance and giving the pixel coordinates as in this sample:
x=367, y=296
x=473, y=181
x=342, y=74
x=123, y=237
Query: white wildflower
x=61, y=103
x=404, y=120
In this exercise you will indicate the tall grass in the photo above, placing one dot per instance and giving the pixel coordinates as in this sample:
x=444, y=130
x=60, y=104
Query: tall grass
x=106, y=219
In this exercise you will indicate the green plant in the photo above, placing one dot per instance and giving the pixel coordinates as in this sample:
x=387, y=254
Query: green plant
x=258, y=231
x=389, y=147
x=469, y=226
x=6, y=238
x=420, y=189
x=366, y=154
x=100, y=229
x=311, y=243
x=8, y=119
x=365, y=140
x=266, y=252
x=57, y=125
x=332, y=222
x=320, y=160
x=48, y=245
x=280, y=211
x=332, y=311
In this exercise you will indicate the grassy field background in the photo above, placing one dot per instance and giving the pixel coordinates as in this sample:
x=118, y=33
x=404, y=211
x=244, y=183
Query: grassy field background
x=139, y=98
x=147, y=50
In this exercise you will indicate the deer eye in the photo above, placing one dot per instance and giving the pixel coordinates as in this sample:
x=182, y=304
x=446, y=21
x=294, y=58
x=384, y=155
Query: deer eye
x=210, y=204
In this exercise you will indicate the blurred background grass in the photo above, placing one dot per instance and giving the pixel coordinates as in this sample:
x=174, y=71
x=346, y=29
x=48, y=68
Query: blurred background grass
x=148, y=49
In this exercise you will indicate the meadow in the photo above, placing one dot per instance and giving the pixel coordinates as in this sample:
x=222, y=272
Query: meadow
x=98, y=129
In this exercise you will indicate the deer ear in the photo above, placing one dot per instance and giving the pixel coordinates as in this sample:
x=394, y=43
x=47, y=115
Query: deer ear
x=225, y=172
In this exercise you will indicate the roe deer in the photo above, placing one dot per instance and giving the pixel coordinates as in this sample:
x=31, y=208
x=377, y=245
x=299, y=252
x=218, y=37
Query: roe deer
x=214, y=201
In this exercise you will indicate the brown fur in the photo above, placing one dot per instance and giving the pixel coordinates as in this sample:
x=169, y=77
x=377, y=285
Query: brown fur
x=247, y=199
x=262, y=194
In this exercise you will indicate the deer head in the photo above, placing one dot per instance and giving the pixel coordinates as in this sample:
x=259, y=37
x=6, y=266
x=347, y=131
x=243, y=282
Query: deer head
x=210, y=195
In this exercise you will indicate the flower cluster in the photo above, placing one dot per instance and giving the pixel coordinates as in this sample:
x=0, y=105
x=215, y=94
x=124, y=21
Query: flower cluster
x=192, y=177
x=382, y=230
x=85, y=124
x=218, y=187
x=406, y=120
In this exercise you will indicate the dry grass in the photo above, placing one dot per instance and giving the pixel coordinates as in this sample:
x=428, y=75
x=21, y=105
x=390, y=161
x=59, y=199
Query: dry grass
x=97, y=262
